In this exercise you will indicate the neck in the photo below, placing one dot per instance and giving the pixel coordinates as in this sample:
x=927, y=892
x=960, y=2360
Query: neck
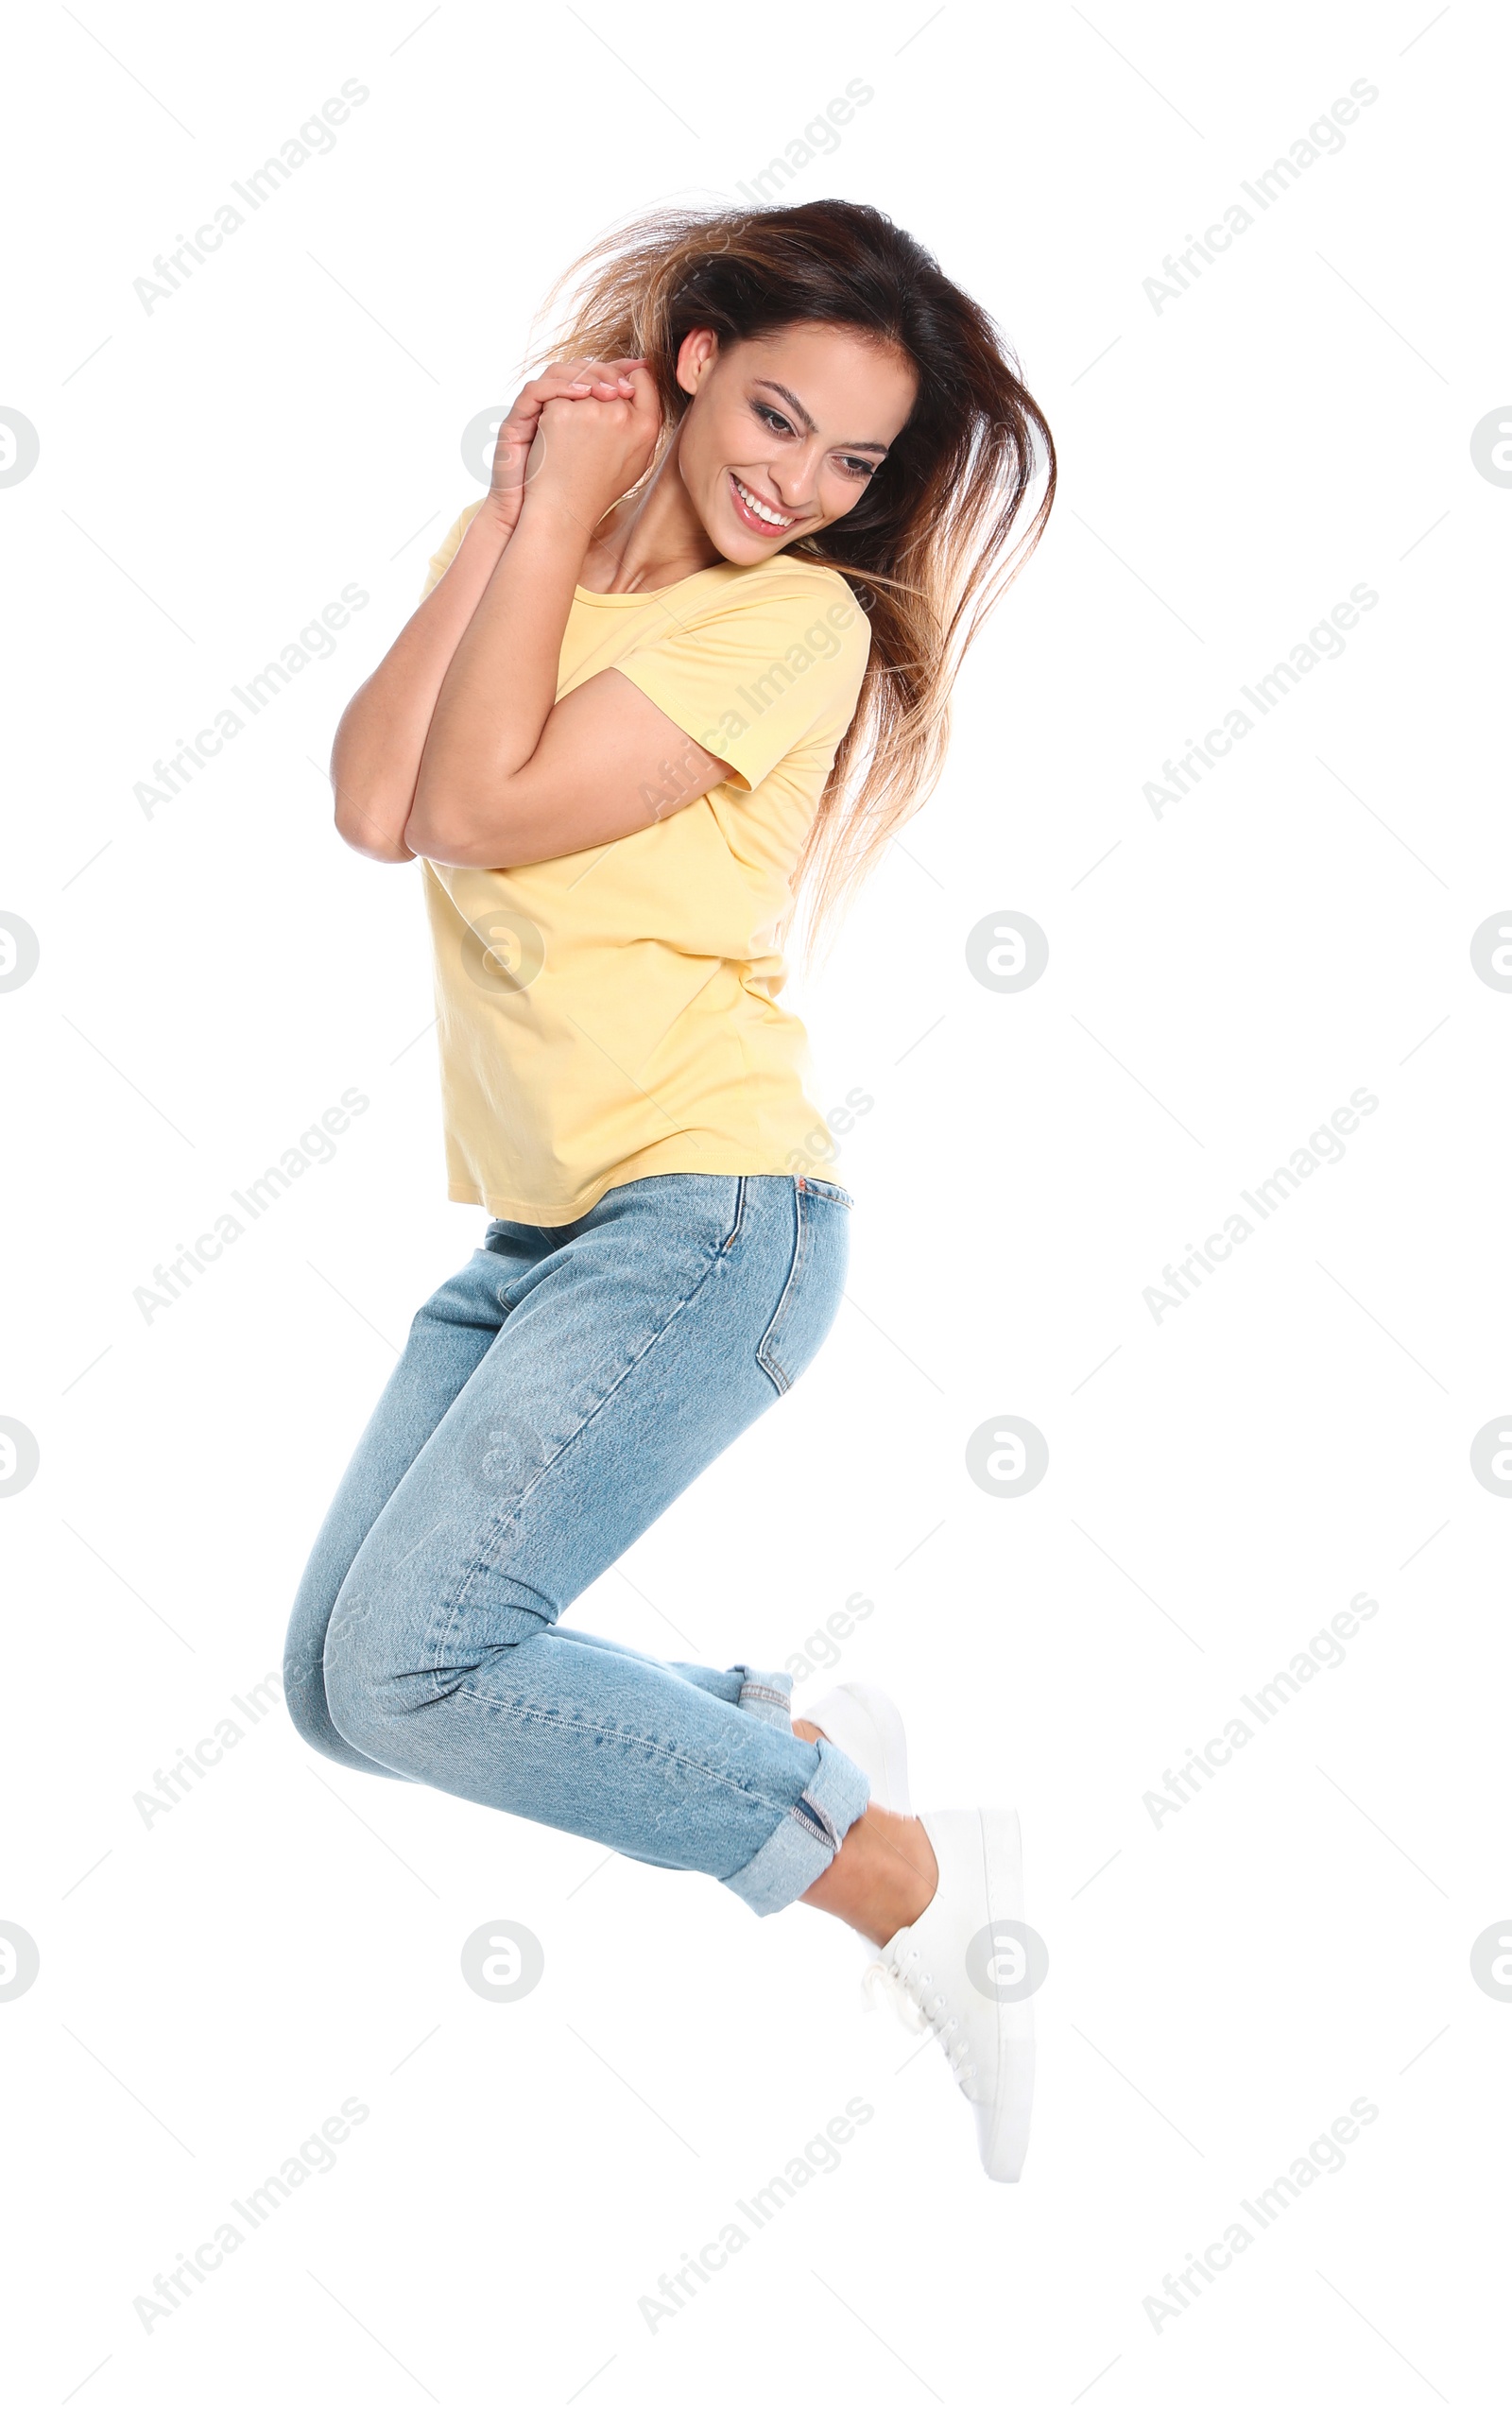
x=651, y=539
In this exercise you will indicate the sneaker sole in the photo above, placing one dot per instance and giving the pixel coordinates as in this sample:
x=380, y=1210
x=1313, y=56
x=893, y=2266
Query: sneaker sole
x=1003, y=2131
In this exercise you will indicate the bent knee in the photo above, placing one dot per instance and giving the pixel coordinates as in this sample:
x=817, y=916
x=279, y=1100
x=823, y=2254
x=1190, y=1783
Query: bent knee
x=380, y=1667
x=304, y=1673
x=362, y=1668
x=304, y=1694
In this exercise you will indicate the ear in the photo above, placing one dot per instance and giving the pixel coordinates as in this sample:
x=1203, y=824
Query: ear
x=697, y=354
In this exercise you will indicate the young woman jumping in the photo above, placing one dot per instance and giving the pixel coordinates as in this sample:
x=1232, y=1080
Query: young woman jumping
x=682, y=673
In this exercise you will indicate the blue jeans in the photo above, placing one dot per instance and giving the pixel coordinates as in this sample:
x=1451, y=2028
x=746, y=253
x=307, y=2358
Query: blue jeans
x=553, y=1399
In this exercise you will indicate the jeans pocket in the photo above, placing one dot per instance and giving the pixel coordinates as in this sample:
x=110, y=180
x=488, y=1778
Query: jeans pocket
x=829, y=1188
x=816, y=1281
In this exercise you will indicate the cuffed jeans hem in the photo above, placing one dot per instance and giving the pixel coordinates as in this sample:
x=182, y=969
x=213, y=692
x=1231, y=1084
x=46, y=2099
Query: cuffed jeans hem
x=768, y=1696
x=806, y=1840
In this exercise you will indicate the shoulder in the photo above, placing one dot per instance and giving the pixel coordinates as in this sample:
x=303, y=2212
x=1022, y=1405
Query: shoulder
x=825, y=624
x=792, y=601
x=789, y=576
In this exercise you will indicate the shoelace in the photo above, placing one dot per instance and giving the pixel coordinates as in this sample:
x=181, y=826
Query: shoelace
x=906, y=1985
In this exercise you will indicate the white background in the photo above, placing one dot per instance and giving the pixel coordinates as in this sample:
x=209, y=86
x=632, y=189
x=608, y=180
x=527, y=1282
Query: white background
x=1222, y=1481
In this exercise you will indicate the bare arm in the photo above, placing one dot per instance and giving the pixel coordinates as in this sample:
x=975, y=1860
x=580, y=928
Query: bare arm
x=378, y=744
x=376, y=757
x=507, y=774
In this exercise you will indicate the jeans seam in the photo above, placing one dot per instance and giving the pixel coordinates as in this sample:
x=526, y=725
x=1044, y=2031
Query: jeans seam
x=816, y=1814
x=827, y=1188
x=672, y=1756
x=740, y=1215
x=769, y=1363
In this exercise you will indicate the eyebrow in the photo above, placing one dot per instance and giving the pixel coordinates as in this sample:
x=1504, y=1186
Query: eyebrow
x=800, y=413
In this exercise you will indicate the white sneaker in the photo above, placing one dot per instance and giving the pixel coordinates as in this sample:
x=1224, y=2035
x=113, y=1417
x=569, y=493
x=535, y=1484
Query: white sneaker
x=964, y=1972
x=863, y=1721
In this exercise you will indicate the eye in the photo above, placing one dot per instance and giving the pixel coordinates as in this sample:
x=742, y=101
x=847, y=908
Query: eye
x=850, y=464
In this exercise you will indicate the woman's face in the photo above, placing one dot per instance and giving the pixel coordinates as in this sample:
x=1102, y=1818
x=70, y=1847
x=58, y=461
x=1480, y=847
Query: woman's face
x=785, y=432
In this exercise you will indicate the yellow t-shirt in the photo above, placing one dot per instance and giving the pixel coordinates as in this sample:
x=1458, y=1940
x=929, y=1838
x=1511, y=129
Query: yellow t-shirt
x=613, y=1013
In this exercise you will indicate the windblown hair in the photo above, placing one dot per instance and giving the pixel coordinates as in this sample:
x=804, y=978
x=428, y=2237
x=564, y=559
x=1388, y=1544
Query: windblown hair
x=939, y=529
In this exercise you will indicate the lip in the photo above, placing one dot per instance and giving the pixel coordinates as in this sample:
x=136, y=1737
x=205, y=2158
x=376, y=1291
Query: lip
x=749, y=519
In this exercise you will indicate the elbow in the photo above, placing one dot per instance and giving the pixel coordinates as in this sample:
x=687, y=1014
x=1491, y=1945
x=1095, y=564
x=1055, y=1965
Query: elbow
x=382, y=849
x=370, y=822
x=463, y=832
x=370, y=835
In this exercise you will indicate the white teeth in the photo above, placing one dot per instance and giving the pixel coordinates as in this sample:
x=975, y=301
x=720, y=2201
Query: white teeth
x=759, y=509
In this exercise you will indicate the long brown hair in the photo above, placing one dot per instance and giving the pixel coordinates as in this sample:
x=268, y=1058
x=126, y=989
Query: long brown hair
x=931, y=545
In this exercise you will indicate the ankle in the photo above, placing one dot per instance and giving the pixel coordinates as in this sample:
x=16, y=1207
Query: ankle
x=881, y=1878
x=912, y=1877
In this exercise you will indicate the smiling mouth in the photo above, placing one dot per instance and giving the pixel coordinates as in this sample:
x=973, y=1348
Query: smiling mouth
x=759, y=513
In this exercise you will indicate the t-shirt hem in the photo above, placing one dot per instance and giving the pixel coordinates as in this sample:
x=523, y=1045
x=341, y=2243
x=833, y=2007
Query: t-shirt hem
x=665, y=690
x=717, y=1163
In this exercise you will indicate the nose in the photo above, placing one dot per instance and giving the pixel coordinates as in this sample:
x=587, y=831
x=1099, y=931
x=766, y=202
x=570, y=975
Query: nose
x=796, y=482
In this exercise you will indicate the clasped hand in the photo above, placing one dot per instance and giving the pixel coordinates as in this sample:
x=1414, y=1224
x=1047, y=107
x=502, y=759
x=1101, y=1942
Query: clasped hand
x=582, y=434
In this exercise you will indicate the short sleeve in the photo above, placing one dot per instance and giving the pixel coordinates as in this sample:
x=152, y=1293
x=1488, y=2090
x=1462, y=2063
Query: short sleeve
x=442, y=560
x=763, y=669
